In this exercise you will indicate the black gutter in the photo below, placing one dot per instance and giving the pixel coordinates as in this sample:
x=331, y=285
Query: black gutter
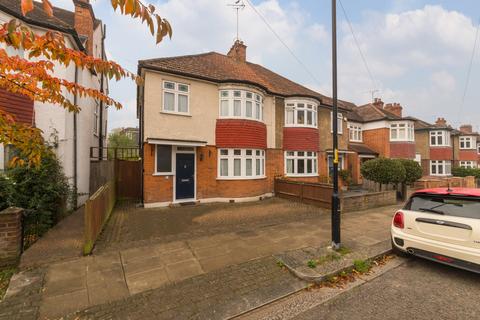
x=140, y=131
x=75, y=164
x=100, y=127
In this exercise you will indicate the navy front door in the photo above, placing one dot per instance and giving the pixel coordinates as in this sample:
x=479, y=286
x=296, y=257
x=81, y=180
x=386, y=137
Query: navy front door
x=185, y=176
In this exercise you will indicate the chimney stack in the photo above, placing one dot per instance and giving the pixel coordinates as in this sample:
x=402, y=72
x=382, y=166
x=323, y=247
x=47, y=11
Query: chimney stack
x=394, y=108
x=441, y=122
x=238, y=51
x=466, y=128
x=84, y=18
x=377, y=102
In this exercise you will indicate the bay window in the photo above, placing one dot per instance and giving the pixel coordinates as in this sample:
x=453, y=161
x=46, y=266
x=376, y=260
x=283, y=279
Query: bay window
x=440, y=138
x=440, y=168
x=241, y=164
x=402, y=131
x=355, y=132
x=241, y=104
x=468, y=164
x=300, y=163
x=300, y=113
x=339, y=122
x=467, y=142
x=175, y=97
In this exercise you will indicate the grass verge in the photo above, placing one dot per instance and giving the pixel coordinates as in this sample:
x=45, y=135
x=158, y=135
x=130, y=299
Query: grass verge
x=5, y=275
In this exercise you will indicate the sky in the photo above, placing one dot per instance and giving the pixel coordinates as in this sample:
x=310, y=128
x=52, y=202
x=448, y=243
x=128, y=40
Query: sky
x=417, y=52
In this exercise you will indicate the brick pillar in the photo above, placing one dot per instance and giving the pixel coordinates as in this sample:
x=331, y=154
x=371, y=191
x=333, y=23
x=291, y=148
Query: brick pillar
x=10, y=236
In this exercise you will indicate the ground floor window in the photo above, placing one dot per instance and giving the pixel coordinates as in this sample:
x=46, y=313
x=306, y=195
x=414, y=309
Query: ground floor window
x=468, y=164
x=440, y=167
x=301, y=163
x=163, y=159
x=341, y=163
x=241, y=163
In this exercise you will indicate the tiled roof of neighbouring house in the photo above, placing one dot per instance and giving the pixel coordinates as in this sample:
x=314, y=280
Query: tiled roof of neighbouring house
x=361, y=148
x=217, y=67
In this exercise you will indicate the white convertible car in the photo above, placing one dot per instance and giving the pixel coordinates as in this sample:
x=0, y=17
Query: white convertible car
x=442, y=225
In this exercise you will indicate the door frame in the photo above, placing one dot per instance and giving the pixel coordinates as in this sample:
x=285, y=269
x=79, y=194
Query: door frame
x=194, y=152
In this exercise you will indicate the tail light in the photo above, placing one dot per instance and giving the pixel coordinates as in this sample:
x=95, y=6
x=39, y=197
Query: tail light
x=398, y=220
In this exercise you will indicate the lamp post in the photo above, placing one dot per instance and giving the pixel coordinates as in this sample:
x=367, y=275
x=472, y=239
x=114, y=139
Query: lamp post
x=335, y=197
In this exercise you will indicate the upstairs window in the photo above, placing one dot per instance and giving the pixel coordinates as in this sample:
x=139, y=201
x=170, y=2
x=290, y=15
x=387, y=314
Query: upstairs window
x=96, y=115
x=176, y=97
x=440, y=138
x=355, y=132
x=300, y=163
x=339, y=122
x=300, y=114
x=241, y=104
x=467, y=142
x=402, y=131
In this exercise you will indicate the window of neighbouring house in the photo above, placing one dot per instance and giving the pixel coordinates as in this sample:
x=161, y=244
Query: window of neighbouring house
x=339, y=122
x=300, y=113
x=301, y=163
x=440, y=138
x=355, y=132
x=440, y=167
x=468, y=142
x=341, y=163
x=241, y=163
x=468, y=164
x=241, y=104
x=96, y=114
x=176, y=97
x=163, y=161
x=402, y=131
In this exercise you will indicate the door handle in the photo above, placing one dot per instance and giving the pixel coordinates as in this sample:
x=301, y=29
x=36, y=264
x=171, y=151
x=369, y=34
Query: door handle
x=185, y=180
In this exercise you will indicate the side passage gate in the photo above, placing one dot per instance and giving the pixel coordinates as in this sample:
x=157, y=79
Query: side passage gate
x=128, y=179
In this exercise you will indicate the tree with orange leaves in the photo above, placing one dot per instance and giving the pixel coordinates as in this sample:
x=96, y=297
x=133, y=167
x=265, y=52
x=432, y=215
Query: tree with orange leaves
x=34, y=79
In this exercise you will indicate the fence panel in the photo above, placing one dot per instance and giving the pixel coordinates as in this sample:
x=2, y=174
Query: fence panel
x=101, y=172
x=97, y=211
x=312, y=193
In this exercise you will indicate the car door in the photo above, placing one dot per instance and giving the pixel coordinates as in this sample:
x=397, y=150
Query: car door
x=444, y=218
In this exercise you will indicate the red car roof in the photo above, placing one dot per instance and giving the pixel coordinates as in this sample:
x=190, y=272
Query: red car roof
x=473, y=192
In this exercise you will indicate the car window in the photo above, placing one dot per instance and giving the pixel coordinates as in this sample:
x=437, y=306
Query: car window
x=446, y=205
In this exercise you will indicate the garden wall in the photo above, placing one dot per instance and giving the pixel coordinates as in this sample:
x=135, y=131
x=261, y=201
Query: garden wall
x=368, y=200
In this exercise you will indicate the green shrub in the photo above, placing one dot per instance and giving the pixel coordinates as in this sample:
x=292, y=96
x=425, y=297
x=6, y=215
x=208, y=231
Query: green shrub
x=6, y=192
x=413, y=170
x=383, y=171
x=41, y=191
x=464, y=172
x=346, y=176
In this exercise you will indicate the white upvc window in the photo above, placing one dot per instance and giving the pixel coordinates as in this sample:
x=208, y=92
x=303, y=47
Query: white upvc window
x=341, y=163
x=243, y=164
x=241, y=104
x=300, y=163
x=468, y=142
x=440, y=167
x=176, y=97
x=163, y=160
x=300, y=113
x=468, y=164
x=478, y=148
x=402, y=131
x=339, y=122
x=440, y=138
x=355, y=132
x=96, y=114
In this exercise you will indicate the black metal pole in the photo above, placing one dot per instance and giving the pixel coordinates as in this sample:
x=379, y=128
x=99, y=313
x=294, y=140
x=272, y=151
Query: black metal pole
x=335, y=197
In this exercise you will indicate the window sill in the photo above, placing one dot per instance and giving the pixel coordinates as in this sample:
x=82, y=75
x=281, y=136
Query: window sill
x=440, y=146
x=468, y=149
x=240, y=178
x=301, y=175
x=357, y=141
x=240, y=118
x=299, y=126
x=159, y=174
x=173, y=113
x=412, y=141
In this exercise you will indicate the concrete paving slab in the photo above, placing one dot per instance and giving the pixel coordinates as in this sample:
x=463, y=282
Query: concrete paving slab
x=64, y=286
x=150, y=279
x=176, y=256
x=56, y=306
x=183, y=270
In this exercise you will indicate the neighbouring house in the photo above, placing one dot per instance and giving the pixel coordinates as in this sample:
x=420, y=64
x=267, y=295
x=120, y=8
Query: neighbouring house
x=465, y=147
x=130, y=132
x=216, y=127
x=71, y=134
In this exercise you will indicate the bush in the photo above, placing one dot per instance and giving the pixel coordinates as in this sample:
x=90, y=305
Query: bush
x=465, y=172
x=383, y=171
x=6, y=192
x=346, y=176
x=41, y=191
x=413, y=170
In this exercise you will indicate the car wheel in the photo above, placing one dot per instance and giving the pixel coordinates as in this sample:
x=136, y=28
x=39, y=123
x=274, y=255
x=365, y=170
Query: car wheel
x=399, y=252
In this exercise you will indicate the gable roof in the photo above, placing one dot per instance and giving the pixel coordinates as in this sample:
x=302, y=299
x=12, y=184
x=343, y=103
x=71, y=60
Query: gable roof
x=220, y=68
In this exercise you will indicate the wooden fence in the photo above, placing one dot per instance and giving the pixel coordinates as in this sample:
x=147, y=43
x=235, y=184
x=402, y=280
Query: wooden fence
x=318, y=194
x=97, y=211
x=452, y=182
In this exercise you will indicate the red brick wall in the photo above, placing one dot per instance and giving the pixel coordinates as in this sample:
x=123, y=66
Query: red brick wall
x=236, y=133
x=155, y=188
x=468, y=155
x=378, y=140
x=441, y=153
x=19, y=106
x=402, y=150
x=300, y=139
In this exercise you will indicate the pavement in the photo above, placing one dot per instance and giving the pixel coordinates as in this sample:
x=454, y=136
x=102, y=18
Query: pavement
x=132, y=274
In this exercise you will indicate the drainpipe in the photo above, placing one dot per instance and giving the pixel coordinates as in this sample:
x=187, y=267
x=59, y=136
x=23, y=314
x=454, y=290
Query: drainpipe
x=75, y=177
x=100, y=126
x=140, y=92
